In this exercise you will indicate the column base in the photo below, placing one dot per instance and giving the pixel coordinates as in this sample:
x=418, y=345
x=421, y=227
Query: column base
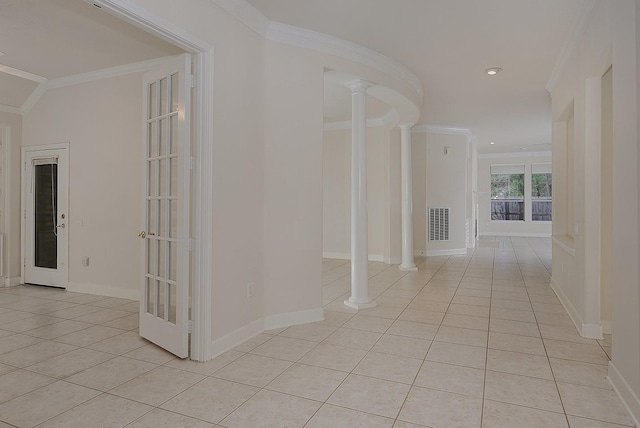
x=408, y=268
x=360, y=305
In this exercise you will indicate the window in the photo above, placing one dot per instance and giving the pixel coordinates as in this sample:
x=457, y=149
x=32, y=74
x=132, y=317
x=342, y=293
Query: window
x=507, y=192
x=541, y=192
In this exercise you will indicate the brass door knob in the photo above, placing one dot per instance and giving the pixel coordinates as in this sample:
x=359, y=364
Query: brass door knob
x=61, y=226
x=142, y=234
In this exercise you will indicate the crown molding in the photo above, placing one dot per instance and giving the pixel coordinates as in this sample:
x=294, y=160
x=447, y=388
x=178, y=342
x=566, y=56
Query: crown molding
x=21, y=73
x=9, y=109
x=244, y=12
x=91, y=76
x=439, y=129
x=132, y=13
x=514, y=155
x=388, y=119
x=247, y=14
x=324, y=43
x=577, y=30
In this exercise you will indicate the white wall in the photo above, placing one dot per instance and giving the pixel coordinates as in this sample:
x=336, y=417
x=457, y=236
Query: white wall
x=383, y=194
x=611, y=38
x=446, y=186
x=511, y=228
x=102, y=122
x=419, y=169
x=10, y=225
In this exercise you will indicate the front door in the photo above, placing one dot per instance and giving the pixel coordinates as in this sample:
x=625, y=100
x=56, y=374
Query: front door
x=164, y=303
x=45, y=188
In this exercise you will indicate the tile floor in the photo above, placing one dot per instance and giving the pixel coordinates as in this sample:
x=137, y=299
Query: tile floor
x=466, y=341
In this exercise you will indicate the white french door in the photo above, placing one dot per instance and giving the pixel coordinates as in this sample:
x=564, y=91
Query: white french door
x=45, y=195
x=164, y=303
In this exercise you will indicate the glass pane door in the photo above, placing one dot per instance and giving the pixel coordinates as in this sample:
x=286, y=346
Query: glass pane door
x=45, y=216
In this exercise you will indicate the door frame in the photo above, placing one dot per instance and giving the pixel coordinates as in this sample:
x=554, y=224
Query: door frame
x=202, y=153
x=23, y=208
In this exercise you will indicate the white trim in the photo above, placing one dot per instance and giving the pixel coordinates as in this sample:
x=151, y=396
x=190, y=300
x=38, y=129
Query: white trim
x=589, y=331
x=454, y=252
x=235, y=338
x=577, y=30
x=371, y=258
x=324, y=43
x=346, y=125
x=440, y=129
x=244, y=12
x=203, y=207
x=629, y=398
x=22, y=74
x=272, y=322
x=606, y=327
x=33, y=99
x=516, y=234
x=523, y=154
x=130, y=12
x=9, y=109
x=201, y=287
x=12, y=282
x=121, y=70
x=562, y=245
x=104, y=290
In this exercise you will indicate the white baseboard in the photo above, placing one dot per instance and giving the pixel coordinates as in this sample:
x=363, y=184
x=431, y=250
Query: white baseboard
x=588, y=331
x=516, y=234
x=606, y=327
x=254, y=328
x=12, y=282
x=625, y=392
x=454, y=252
x=273, y=322
x=592, y=331
x=104, y=290
x=372, y=257
x=236, y=337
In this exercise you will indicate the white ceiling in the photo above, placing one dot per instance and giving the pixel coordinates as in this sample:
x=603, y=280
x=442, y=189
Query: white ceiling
x=448, y=44
x=59, y=38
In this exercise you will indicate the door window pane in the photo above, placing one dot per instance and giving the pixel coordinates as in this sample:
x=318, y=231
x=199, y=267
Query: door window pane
x=46, y=216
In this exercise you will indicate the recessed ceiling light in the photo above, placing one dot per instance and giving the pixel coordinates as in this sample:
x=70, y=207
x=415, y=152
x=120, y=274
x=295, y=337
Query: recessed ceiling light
x=524, y=148
x=493, y=71
x=492, y=143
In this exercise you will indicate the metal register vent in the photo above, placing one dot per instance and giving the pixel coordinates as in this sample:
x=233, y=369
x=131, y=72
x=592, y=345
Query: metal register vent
x=438, y=224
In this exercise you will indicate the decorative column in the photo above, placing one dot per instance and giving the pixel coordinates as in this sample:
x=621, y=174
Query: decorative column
x=359, y=233
x=408, y=263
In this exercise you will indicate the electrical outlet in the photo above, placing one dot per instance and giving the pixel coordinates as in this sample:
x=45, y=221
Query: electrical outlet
x=85, y=261
x=250, y=289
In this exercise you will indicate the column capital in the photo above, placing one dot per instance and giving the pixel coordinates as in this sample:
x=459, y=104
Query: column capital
x=358, y=85
x=405, y=126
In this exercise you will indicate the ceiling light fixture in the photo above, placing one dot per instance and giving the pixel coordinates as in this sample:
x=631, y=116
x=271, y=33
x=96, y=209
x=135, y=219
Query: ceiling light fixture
x=524, y=148
x=493, y=71
x=492, y=143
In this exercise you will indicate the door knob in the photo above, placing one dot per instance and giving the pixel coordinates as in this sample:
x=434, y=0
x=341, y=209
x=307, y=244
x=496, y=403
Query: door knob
x=61, y=226
x=142, y=234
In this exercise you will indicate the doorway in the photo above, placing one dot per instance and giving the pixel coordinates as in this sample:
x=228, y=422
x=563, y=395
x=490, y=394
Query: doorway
x=45, y=195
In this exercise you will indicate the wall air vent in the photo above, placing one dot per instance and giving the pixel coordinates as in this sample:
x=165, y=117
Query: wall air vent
x=438, y=224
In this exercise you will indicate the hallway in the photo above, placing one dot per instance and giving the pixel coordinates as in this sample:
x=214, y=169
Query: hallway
x=466, y=341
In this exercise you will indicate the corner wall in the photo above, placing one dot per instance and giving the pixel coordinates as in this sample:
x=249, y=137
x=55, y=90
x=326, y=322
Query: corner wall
x=610, y=38
x=102, y=122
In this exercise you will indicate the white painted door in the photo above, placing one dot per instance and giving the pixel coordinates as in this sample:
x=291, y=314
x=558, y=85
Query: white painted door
x=164, y=303
x=45, y=190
